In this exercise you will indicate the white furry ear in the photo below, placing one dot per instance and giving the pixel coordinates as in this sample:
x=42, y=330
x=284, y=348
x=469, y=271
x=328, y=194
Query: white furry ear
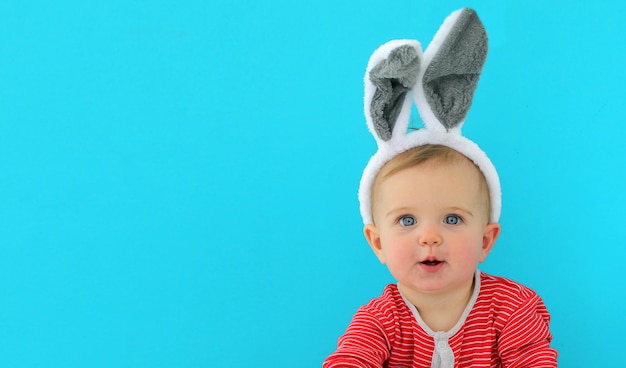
x=391, y=73
x=453, y=62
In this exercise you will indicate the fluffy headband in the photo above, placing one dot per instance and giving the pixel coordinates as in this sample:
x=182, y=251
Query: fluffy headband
x=441, y=81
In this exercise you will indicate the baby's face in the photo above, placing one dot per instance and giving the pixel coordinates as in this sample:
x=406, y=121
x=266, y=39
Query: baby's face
x=431, y=226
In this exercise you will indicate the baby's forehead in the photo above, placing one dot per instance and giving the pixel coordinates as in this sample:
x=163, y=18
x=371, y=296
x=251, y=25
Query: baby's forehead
x=460, y=171
x=462, y=178
x=427, y=157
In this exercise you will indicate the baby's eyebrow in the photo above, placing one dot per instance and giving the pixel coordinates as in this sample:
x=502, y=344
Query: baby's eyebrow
x=398, y=210
x=461, y=209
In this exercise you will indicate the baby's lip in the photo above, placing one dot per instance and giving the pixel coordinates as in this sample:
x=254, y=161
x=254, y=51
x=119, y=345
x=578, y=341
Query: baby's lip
x=431, y=261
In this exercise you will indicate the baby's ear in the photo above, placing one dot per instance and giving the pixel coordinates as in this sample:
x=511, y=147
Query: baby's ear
x=392, y=72
x=458, y=52
x=490, y=235
x=373, y=238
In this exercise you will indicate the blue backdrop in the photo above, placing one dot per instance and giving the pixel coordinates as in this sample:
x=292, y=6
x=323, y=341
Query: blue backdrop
x=179, y=178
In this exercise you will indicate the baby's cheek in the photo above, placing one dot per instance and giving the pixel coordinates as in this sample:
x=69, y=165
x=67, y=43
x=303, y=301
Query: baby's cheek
x=405, y=255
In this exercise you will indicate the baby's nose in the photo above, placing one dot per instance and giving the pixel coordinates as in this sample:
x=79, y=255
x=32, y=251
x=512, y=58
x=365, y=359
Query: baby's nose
x=429, y=237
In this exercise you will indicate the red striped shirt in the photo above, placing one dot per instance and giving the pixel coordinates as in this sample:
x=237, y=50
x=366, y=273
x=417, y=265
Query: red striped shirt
x=507, y=326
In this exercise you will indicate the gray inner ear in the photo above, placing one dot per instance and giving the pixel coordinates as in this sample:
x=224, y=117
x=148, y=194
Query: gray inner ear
x=393, y=78
x=451, y=78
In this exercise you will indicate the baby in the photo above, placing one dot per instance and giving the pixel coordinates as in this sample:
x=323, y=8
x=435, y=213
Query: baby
x=430, y=201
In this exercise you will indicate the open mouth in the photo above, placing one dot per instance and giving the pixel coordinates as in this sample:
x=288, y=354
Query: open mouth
x=431, y=262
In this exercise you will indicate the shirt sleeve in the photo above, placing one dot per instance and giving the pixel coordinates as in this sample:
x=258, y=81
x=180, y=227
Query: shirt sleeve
x=363, y=345
x=525, y=338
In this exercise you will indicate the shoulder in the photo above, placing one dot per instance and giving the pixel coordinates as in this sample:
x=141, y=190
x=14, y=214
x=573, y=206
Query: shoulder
x=388, y=312
x=502, y=290
x=376, y=330
x=389, y=303
x=382, y=319
x=509, y=302
x=520, y=320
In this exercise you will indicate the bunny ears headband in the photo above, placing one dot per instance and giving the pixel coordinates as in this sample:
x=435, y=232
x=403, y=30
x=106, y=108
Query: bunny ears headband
x=441, y=81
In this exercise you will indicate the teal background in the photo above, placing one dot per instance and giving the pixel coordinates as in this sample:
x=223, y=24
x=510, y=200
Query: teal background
x=179, y=178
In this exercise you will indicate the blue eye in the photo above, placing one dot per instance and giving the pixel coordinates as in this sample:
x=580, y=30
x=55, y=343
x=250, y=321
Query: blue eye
x=452, y=220
x=407, y=221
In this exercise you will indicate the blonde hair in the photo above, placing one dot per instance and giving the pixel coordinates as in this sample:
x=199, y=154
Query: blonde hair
x=429, y=153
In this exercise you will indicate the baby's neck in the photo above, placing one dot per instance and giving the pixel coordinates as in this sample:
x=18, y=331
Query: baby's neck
x=442, y=312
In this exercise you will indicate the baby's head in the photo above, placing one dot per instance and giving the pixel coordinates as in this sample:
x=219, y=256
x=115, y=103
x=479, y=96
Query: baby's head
x=430, y=210
x=471, y=179
x=429, y=198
